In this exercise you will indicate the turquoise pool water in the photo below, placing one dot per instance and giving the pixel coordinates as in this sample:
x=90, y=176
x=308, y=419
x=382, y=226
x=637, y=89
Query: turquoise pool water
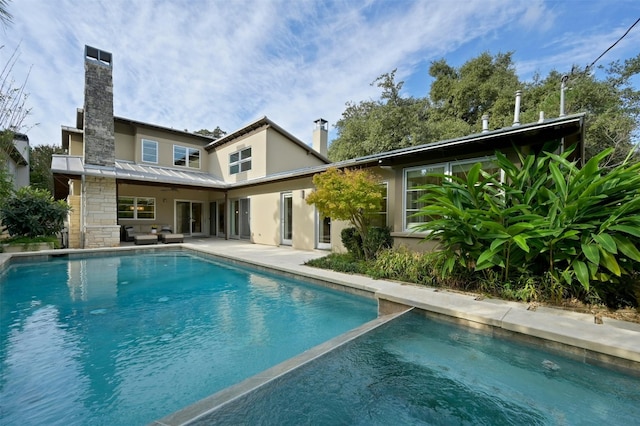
x=125, y=340
x=418, y=371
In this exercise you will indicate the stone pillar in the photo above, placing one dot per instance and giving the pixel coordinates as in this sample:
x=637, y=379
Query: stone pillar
x=100, y=211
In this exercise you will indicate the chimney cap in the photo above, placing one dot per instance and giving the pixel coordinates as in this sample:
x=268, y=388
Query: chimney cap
x=105, y=58
x=321, y=123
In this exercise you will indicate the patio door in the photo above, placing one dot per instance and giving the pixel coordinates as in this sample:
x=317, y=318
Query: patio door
x=216, y=220
x=239, y=216
x=189, y=217
x=286, y=219
x=323, y=232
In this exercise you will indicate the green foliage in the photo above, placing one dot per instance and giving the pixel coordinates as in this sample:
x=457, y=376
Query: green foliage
x=32, y=212
x=347, y=195
x=352, y=241
x=340, y=262
x=40, y=175
x=580, y=226
x=376, y=240
x=403, y=265
x=458, y=97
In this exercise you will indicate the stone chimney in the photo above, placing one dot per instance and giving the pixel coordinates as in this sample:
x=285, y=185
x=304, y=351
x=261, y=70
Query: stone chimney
x=99, y=136
x=321, y=136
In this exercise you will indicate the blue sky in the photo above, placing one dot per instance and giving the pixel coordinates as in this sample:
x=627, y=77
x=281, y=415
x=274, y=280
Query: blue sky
x=201, y=64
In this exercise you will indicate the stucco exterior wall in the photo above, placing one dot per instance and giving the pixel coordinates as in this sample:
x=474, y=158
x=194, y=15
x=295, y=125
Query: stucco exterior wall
x=219, y=158
x=125, y=143
x=283, y=155
x=166, y=142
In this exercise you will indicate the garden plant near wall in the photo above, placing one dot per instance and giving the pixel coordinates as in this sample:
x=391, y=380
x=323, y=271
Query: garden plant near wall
x=547, y=223
x=33, y=213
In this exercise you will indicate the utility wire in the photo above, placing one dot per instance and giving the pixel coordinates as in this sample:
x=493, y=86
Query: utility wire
x=611, y=47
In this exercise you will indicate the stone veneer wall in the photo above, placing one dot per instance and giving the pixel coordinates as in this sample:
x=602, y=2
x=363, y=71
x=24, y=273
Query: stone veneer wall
x=99, y=133
x=100, y=206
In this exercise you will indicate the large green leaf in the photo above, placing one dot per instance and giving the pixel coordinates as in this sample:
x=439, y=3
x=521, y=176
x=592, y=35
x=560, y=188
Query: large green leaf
x=521, y=241
x=627, y=248
x=582, y=272
x=606, y=242
x=592, y=253
x=627, y=229
x=608, y=261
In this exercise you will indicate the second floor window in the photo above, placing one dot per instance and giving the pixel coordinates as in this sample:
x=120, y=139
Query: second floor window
x=149, y=151
x=240, y=161
x=186, y=157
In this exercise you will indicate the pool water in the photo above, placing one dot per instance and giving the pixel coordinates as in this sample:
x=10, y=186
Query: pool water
x=125, y=340
x=419, y=371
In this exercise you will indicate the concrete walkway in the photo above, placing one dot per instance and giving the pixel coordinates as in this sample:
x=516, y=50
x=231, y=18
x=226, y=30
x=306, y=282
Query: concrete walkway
x=615, y=342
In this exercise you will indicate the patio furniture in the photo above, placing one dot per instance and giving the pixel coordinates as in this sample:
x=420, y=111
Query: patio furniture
x=146, y=239
x=172, y=238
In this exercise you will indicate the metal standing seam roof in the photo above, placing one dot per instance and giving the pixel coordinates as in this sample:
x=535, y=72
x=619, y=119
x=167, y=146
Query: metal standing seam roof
x=125, y=170
x=131, y=171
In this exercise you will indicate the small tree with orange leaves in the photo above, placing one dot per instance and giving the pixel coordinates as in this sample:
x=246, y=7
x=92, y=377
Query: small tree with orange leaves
x=348, y=195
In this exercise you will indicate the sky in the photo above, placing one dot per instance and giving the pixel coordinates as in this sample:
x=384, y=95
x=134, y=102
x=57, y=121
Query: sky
x=194, y=64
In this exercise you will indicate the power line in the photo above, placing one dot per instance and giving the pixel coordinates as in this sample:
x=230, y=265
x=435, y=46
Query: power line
x=612, y=46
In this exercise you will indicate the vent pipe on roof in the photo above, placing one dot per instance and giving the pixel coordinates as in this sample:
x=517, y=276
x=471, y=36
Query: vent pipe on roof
x=485, y=123
x=563, y=87
x=516, y=112
x=541, y=119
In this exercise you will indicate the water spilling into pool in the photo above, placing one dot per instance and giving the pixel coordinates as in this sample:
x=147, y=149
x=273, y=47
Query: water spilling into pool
x=125, y=340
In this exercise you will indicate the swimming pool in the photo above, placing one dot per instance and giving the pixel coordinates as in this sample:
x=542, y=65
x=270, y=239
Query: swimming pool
x=420, y=371
x=128, y=339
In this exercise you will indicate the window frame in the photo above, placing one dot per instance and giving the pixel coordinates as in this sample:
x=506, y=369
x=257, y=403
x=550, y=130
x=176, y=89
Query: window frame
x=382, y=213
x=241, y=162
x=447, y=167
x=143, y=143
x=188, y=152
x=136, y=208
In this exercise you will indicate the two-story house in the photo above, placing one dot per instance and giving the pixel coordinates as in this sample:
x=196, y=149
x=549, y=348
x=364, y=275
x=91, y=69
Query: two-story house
x=250, y=184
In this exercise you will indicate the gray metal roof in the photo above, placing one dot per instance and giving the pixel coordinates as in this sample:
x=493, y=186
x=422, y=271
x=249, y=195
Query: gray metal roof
x=125, y=170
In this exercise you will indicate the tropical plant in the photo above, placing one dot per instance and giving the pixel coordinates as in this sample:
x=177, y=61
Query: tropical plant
x=32, y=213
x=351, y=195
x=580, y=225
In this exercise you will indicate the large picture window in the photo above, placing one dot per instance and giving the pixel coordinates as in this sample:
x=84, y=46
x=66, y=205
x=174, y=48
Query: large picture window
x=416, y=177
x=136, y=208
x=186, y=157
x=149, y=151
x=379, y=218
x=240, y=161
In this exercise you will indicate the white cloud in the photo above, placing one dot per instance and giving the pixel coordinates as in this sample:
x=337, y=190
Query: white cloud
x=201, y=64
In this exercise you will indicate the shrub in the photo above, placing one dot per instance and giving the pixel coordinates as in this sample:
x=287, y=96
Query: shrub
x=378, y=238
x=32, y=213
x=579, y=225
x=352, y=241
x=340, y=262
